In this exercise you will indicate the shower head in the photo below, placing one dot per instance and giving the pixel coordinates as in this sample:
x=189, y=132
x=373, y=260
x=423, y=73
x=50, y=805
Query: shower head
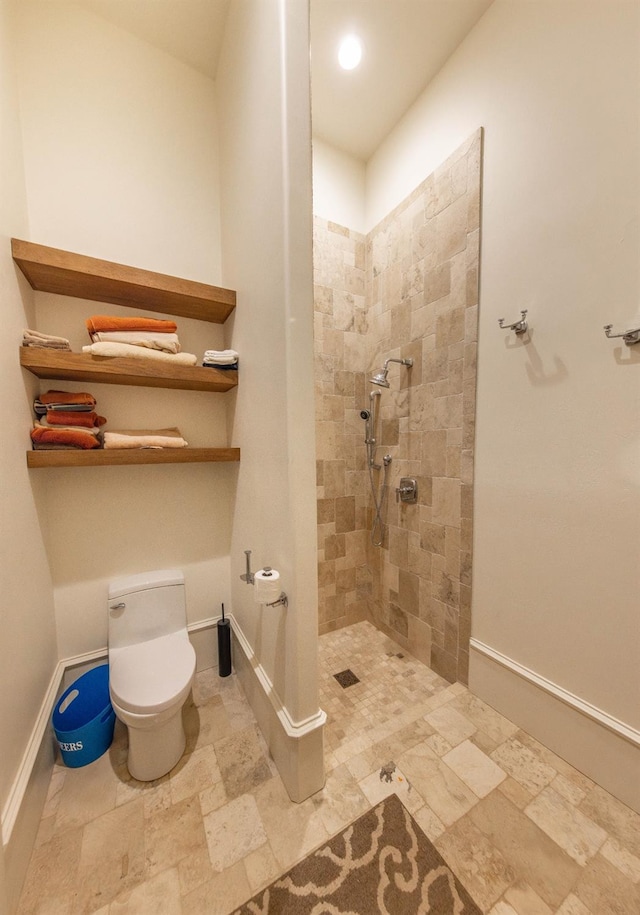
x=380, y=378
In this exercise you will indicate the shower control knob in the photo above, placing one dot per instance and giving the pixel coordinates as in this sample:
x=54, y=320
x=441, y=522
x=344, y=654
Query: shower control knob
x=407, y=491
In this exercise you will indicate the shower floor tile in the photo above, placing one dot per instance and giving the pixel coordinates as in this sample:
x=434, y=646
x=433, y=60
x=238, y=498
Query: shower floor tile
x=525, y=831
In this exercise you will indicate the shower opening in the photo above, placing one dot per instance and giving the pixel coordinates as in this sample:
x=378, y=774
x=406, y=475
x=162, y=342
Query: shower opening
x=409, y=287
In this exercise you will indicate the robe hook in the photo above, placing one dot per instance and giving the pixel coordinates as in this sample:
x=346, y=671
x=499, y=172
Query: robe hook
x=520, y=327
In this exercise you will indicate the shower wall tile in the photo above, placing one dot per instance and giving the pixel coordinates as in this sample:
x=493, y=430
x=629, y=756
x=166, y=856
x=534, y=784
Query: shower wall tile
x=407, y=290
x=340, y=328
x=422, y=298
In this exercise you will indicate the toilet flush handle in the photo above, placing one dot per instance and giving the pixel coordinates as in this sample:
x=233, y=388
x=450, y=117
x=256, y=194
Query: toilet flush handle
x=119, y=606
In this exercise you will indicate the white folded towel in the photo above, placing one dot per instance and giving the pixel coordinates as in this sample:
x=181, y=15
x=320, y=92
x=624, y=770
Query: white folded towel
x=138, y=352
x=220, y=357
x=221, y=352
x=145, y=438
x=167, y=343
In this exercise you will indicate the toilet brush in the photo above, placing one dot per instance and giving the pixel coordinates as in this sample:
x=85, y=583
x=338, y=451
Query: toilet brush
x=224, y=646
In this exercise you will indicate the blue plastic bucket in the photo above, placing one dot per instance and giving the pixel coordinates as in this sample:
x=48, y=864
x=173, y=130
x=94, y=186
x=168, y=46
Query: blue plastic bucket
x=83, y=719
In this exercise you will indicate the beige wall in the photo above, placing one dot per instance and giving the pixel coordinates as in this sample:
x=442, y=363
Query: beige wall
x=265, y=154
x=28, y=651
x=109, y=149
x=557, y=527
x=120, y=145
x=338, y=186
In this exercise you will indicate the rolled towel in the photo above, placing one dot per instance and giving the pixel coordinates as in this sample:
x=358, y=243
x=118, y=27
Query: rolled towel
x=138, y=352
x=45, y=341
x=145, y=438
x=74, y=418
x=76, y=438
x=168, y=343
x=100, y=323
x=76, y=398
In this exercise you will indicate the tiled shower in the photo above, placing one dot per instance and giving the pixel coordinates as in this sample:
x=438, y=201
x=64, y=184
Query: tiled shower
x=408, y=289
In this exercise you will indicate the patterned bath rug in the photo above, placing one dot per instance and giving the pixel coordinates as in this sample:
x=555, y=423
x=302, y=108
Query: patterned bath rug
x=383, y=864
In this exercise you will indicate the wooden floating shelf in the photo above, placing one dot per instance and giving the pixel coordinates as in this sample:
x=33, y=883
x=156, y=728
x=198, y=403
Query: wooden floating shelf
x=151, y=373
x=100, y=457
x=53, y=270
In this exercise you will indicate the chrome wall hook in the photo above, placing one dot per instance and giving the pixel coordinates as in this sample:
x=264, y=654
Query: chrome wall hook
x=520, y=327
x=629, y=336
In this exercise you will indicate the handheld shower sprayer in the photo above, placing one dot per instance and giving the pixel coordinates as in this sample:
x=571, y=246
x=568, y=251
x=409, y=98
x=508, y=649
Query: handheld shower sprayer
x=370, y=418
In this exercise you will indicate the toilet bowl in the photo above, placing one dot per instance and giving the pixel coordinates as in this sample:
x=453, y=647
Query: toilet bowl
x=151, y=667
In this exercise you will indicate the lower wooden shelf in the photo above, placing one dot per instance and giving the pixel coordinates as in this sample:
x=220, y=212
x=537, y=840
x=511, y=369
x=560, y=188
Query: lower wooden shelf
x=100, y=457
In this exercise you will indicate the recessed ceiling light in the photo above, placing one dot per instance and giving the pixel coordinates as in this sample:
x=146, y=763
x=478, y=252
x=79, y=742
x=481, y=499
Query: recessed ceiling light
x=350, y=52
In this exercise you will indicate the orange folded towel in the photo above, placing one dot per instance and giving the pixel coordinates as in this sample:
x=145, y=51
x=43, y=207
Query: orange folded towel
x=73, y=397
x=101, y=323
x=78, y=438
x=74, y=418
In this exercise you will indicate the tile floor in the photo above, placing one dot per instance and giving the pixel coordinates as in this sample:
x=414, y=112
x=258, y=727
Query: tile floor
x=525, y=832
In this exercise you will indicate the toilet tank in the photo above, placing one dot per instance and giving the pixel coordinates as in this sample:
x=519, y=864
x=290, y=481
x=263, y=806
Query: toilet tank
x=146, y=606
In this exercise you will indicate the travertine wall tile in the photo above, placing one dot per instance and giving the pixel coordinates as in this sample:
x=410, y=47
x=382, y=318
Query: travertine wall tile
x=409, y=289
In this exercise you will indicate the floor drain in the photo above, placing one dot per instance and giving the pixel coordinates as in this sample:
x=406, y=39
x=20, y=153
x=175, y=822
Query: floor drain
x=346, y=678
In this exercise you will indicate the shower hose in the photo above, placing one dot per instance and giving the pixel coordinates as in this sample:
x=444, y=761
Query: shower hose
x=377, y=527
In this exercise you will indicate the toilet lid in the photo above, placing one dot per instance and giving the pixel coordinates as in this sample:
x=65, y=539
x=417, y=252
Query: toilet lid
x=150, y=676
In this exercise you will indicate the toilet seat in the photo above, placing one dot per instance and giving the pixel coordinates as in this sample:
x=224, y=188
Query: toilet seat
x=149, y=677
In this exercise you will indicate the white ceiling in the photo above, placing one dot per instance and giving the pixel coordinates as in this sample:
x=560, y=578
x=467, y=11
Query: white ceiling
x=406, y=42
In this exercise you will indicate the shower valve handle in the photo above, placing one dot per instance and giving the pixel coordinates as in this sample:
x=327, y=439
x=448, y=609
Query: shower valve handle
x=407, y=491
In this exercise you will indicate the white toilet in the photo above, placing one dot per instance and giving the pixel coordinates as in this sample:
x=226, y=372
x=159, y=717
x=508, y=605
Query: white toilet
x=151, y=667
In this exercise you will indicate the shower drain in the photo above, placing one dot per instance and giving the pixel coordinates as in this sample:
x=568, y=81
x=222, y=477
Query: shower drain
x=346, y=678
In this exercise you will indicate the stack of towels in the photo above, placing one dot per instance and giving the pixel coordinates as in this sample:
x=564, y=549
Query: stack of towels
x=45, y=341
x=66, y=420
x=220, y=359
x=140, y=338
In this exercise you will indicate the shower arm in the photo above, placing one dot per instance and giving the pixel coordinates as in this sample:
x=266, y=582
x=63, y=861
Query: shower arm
x=407, y=362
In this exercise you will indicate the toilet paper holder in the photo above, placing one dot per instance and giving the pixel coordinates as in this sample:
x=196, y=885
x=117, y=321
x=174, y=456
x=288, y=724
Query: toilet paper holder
x=249, y=578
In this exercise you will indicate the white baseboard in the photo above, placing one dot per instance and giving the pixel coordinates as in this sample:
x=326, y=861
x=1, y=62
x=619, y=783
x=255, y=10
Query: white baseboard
x=296, y=746
x=292, y=728
x=595, y=742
